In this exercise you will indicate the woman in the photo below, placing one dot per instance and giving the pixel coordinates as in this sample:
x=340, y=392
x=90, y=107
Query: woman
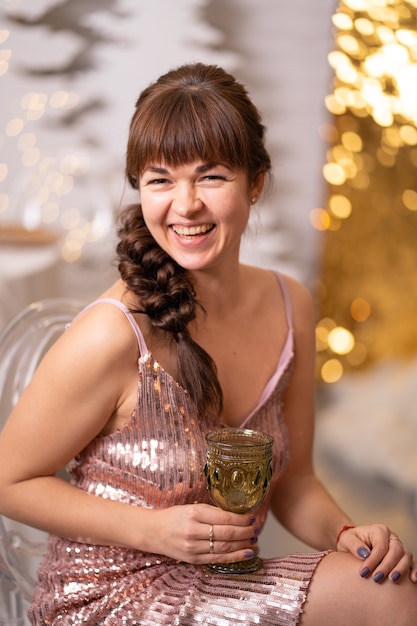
x=188, y=340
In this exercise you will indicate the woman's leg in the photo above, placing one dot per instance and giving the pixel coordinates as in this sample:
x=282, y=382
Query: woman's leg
x=338, y=596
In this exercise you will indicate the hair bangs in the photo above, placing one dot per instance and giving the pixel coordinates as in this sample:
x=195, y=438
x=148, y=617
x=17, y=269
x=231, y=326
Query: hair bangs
x=188, y=128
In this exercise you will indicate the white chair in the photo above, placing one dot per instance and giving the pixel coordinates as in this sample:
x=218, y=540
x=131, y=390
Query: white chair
x=23, y=343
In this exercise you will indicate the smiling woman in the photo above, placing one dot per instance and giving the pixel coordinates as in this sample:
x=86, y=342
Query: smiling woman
x=211, y=201
x=189, y=340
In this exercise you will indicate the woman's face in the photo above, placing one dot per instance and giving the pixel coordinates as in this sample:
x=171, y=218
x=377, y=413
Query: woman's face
x=197, y=212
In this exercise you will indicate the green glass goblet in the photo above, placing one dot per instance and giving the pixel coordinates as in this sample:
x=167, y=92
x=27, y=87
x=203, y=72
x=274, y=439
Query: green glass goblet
x=238, y=470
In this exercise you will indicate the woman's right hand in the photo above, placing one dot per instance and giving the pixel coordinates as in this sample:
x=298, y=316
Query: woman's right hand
x=202, y=533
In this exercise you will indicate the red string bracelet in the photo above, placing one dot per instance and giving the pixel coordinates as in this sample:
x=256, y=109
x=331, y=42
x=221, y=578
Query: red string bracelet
x=342, y=530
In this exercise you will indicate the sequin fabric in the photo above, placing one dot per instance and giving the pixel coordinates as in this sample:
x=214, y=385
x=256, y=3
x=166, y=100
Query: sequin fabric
x=156, y=460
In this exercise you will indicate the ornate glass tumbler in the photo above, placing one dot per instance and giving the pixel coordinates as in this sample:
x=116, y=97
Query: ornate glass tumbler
x=238, y=472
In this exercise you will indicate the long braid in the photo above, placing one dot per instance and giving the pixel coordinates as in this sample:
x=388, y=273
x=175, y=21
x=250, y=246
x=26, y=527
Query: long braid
x=168, y=298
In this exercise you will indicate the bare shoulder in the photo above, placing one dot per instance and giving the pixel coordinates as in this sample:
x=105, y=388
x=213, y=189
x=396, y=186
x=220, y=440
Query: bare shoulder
x=299, y=294
x=265, y=280
x=98, y=342
x=302, y=305
x=303, y=314
x=101, y=333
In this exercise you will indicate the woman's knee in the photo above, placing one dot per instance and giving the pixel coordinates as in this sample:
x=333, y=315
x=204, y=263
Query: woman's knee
x=338, y=595
x=400, y=601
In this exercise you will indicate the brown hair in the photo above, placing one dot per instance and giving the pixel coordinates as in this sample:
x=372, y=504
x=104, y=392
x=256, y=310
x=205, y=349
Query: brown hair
x=195, y=112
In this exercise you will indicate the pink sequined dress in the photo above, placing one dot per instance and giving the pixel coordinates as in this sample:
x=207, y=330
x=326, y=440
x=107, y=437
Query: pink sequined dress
x=156, y=460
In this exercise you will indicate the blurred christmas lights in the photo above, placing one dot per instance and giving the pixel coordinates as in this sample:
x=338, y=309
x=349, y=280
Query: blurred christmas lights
x=367, y=294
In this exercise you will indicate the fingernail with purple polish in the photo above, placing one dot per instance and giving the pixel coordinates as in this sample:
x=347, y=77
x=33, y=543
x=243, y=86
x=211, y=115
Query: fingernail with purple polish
x=363, y=552
x=396, y=576
x=365, y=572
x=254, y=540
x=378, y=577
x=249, y=554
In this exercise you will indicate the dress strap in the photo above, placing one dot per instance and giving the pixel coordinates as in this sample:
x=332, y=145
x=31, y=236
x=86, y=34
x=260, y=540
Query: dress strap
x=143, y=349
x=287, y=351
x=287, y=299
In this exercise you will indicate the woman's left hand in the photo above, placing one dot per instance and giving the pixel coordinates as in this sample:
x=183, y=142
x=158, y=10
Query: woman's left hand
x=382, y=552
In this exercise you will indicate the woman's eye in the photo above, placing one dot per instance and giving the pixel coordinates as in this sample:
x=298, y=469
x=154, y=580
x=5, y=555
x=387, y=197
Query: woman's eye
x=157, y=181
x=214, y=177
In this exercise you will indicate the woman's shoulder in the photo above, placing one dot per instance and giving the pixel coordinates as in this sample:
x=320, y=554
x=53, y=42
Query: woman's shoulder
x=298, y=292
x=103, y=325
x=298, y=297
x=268, y=278
x=302, y=304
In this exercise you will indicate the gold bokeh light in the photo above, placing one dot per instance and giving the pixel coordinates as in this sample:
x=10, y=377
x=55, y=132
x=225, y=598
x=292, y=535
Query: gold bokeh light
x=367, y=292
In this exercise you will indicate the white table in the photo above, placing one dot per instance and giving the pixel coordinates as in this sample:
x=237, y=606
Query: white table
x=27, y=273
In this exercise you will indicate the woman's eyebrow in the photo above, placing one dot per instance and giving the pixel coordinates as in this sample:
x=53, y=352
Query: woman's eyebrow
x=204, y=167
x=200, y=169
x=157, y=170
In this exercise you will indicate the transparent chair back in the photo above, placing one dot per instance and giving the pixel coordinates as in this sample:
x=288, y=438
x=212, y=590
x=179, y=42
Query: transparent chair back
x=23, y=343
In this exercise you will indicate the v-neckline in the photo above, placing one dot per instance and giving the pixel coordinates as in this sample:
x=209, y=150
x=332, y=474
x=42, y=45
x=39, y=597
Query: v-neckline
x=283, y=362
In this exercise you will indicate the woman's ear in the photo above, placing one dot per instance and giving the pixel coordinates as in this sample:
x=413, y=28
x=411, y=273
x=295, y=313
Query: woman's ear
x=257, y=187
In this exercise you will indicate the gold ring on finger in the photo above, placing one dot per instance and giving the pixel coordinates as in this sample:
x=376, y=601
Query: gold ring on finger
x=211, y=539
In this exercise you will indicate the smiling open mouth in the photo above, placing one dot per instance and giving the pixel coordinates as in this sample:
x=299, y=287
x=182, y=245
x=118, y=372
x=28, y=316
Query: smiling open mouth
x=187, y=231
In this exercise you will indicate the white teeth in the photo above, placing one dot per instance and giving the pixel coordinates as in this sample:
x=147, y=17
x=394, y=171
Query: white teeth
x=192, y=230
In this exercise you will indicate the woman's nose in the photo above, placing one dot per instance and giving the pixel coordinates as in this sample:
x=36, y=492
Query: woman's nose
x=187, y=201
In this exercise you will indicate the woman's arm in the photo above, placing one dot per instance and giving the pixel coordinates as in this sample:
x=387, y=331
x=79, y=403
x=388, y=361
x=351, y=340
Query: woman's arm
x=87, y=381
x=300, y=501
x=73, y=394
